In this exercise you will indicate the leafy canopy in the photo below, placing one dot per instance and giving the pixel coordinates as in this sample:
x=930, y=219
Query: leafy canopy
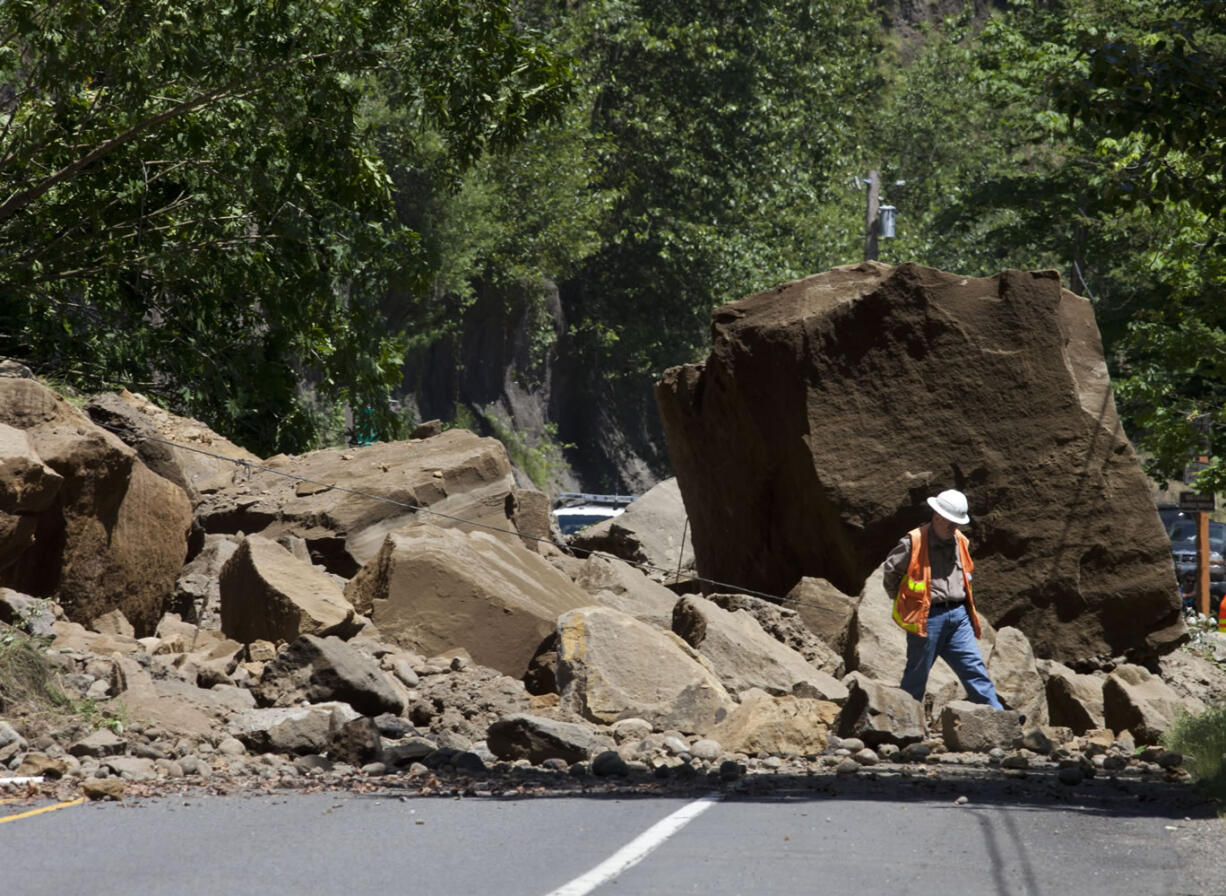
x=193, y=206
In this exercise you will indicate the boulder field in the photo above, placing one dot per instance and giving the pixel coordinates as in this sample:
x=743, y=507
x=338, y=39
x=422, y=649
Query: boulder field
x=403, y=609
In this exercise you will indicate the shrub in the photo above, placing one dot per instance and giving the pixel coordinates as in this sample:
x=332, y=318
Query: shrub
x=1202, y=740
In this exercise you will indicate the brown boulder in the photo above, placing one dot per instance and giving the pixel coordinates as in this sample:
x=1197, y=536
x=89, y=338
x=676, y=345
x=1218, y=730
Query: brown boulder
x=830, y=407
x=343, y=502
x=267, y=593
x=780, y=726
x=112, y=536
x=181, y=449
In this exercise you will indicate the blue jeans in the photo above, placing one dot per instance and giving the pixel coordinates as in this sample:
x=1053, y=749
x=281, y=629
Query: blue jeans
x=950, y=637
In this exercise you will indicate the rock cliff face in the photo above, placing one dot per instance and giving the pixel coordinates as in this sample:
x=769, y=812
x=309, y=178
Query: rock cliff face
x=830, y=407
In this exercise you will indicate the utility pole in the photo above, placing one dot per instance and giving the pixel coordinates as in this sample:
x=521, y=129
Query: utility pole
x=870, y=217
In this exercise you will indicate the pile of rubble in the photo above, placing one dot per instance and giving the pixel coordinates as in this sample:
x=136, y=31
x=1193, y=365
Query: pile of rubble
x=458, y=652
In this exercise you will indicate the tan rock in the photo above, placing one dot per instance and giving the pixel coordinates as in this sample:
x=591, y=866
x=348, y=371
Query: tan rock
x=1018, y=682
x=825, y=610
x=780, y=726
x=652, y=533
x=165, y=442
x=615, y=583
x=343, y=502
x=1136, y=700
x=267, y=593
x=432, y=590
x=612, y=666
x=112, y=623
x=879, y=713
x=103, y=788
x=1073, y=700
x=745, y=657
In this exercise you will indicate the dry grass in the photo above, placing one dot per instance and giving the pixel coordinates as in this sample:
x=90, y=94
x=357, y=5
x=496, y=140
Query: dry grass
x=31, y=699
x=1202, y=740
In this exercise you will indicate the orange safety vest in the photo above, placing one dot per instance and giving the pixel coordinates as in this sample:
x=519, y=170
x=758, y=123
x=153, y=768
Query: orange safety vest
x=913, y=598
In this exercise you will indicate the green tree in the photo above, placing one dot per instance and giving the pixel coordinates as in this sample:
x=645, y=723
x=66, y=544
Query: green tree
x=193, y=205
x=1084, y=136
x=719, y=125
x=1154, y=91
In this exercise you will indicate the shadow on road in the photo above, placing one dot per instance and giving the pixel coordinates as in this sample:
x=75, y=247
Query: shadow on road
x=1039, y=789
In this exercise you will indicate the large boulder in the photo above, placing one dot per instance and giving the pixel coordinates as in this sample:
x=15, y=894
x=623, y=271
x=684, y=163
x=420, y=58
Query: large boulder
x=746, y=657
x=181, y=449
x=1136, y=700
x=878, y=713
x=611, y=666
x=830, y=407
x=323, y=670
x=652, y=533
x=432, y=590
x=269, y=594
x=1074, y=699
x=344, y=501
x=108, y=533
x=615, y=583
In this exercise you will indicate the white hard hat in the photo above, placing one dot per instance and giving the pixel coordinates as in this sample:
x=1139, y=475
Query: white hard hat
x=951, y=504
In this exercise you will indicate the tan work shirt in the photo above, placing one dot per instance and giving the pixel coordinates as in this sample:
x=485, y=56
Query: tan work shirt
x=948, y=586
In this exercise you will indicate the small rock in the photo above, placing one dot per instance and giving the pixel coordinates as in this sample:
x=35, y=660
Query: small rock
x=102, y=742
x=231, y=746
x=1070, y=774
x=888, y=751
x=609, y=763
x=847, y=767
x=103, y=788
x=866, y=757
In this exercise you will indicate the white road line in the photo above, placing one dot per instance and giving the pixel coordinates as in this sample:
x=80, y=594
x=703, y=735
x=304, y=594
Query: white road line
x=637, y=849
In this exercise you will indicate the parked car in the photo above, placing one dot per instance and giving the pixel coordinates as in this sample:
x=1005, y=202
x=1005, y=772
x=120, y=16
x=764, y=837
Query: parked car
x=1183, y=552
x=1170, y=514
x=574, y=511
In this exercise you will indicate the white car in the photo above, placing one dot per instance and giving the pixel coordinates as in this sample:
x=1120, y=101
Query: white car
x=577, y=511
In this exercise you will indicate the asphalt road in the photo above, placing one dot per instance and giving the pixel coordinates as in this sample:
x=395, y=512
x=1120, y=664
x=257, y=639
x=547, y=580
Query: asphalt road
x=806, y=836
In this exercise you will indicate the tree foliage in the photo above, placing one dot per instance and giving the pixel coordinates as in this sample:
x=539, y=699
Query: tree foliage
x=192, y=205
x=718, y=127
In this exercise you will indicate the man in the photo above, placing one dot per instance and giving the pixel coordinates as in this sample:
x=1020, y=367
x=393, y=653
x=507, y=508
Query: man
x=929, y=575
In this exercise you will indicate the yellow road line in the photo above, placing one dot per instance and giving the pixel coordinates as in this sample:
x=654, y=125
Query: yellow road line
x=75, y=802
